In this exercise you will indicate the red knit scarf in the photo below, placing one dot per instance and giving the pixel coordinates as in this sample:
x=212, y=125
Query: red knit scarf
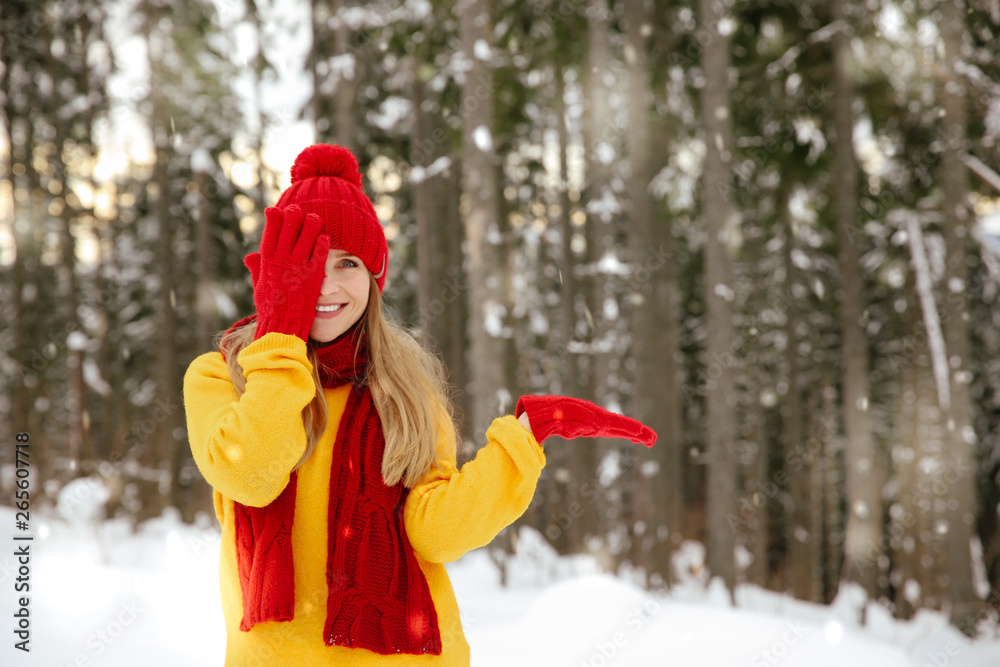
x=377, y=597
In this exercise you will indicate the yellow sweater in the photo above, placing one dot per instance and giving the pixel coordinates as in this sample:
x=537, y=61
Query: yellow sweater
x=246, y=447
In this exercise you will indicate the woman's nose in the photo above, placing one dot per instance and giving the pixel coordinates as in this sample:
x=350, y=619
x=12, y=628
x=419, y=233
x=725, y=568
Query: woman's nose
x=330, y=285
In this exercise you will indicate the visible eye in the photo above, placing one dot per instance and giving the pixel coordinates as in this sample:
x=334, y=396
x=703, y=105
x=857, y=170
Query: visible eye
x=348, y=264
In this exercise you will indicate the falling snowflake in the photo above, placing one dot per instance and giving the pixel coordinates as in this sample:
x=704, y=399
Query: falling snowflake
x=483, y=139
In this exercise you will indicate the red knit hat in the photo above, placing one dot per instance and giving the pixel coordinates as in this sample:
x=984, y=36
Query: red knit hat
x=326, y=181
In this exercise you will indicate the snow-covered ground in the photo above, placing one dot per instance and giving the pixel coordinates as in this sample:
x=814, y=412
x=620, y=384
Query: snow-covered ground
x=101, y=596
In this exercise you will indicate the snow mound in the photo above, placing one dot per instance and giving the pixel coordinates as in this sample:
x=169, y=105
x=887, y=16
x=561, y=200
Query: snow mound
x=108, y=596
x=82, y=500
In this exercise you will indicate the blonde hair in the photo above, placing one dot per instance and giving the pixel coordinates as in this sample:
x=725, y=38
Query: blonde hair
x=408, y=388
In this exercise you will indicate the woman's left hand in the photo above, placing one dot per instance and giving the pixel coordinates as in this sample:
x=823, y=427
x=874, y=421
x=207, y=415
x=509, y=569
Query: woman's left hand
x=575, y=418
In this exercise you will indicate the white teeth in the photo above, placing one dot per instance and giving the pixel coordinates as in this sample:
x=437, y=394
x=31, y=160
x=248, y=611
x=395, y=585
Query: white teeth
x=329, y=309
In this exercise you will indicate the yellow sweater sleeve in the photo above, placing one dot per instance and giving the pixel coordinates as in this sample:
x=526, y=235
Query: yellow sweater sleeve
x=246, y=446
x=452, y=511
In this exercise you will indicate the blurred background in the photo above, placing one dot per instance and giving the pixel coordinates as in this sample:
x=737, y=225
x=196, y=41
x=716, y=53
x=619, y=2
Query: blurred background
x=767, y=229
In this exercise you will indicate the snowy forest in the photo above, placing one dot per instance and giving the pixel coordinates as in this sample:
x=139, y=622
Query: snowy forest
x=770, y=229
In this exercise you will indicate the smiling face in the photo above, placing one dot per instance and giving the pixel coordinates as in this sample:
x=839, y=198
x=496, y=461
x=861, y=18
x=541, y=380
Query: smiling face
x=342, y=298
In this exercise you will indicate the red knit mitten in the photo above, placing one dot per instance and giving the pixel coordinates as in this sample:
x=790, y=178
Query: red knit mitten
x=288, y=271
x=575, y=418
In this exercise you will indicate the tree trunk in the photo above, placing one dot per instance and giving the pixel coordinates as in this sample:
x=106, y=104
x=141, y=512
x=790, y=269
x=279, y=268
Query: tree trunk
x=455, y=323
x=864, y=513
x=26, y=272
x=164, y=457
x=487, y=268
x=345, y=95
x=754, y=514
x=266, y=178
x=961, y=436
x=718, y=214
x=205, y=309
x=903, y=513
x=601, y=240
x=833, y=497
x=112, y=409
x=801, y=534
x=655, y=339
x=23, y=388
x=820, y=440
x=80, y=454
x=568, y=533
x=421, y=156
x=92, y=33
x=932, y=543
x=320, y=12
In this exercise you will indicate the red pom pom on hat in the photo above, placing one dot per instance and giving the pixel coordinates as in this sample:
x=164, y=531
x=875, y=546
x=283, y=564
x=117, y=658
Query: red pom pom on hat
x=326, y=181
x=326, y=160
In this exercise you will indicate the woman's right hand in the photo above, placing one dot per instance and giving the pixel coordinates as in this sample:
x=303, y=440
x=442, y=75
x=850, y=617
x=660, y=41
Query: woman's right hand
x=288, y=271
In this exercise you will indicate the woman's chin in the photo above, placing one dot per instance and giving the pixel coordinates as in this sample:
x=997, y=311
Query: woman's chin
x=326, y=330
x=327, y=334
x=324, y=334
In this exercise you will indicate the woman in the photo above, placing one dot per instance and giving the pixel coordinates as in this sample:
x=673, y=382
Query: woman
x=326, y=433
